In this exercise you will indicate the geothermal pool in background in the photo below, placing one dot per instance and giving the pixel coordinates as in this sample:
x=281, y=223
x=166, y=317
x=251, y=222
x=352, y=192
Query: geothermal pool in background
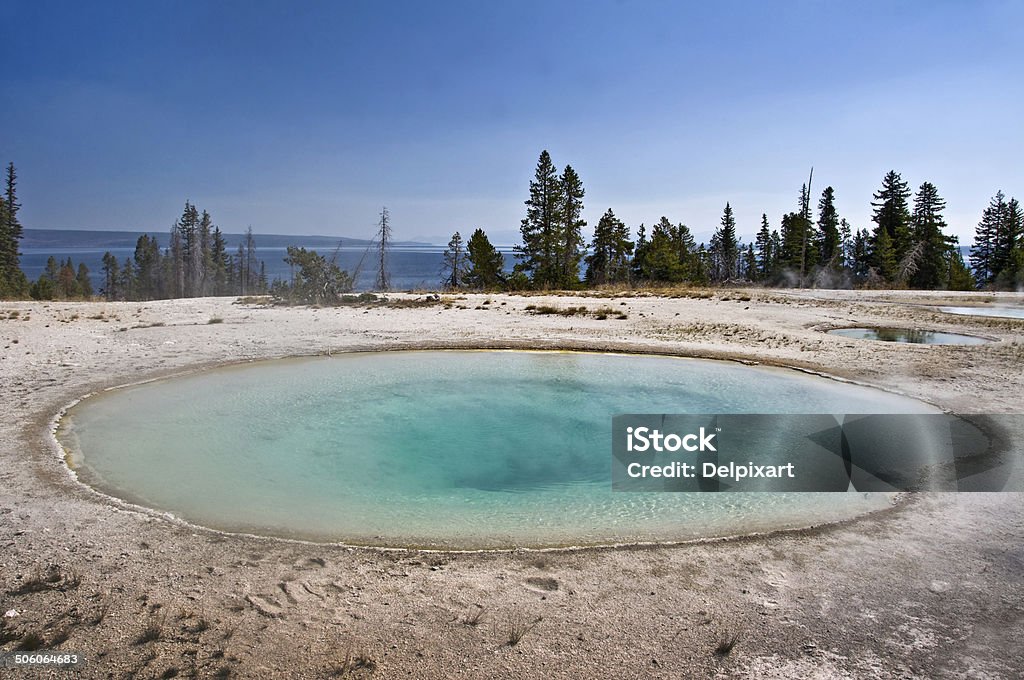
x=448, y=449
x=909, y=335
x=1001, y=311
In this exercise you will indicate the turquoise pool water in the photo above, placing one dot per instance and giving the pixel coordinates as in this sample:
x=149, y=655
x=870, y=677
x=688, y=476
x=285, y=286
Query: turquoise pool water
x=458, y=449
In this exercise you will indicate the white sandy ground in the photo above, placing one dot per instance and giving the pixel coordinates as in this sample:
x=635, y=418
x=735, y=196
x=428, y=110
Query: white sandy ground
x=932, y=588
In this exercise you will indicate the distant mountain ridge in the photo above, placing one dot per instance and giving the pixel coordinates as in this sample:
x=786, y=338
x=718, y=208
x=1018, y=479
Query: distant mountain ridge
x=96, y=238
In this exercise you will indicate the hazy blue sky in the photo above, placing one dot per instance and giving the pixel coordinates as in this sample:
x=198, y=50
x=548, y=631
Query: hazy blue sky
x=307, y=117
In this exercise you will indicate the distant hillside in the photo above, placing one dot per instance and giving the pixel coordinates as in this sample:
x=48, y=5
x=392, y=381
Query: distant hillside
x=90, y=238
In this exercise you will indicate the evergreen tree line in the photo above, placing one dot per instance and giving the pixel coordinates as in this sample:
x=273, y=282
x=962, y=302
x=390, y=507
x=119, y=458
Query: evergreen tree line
x=196, y=263
x=997, y=256
x=906, y=248
x=62, y=281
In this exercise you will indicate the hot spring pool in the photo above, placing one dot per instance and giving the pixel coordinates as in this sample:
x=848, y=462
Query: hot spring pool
x=448, y=449
x=913, y=336
x=1003, y=311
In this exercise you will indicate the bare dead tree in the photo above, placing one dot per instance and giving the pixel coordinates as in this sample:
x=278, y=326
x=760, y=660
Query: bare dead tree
x=384, y=234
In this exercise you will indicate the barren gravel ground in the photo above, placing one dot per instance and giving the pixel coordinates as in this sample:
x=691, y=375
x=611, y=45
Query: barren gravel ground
x=931, y=588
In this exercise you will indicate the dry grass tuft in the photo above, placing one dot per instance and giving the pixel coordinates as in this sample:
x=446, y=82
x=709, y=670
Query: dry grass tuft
x=518, y=627
x=726, y=645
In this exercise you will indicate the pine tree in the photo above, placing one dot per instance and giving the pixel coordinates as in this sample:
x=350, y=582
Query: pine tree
x=804, y=225
x=845, y=243
x=927, y=224
x=985, y=254
x=661, y=261
x=204, y=266
x=794, y=236
x=540, y=229
x=640, y=249
x=220, y=263
x=959, y=277
x=487, y=265
x=724, y=249
x=891, y=214
x=699, y=274
x=176, y=265
x=147, y=268
x=686, y=248
x=776, y=250
x=570, y=238
x=5, y=248
x=883, y=256
x=750, y=272
x=84, y=283
x=455, y=265
x=860, y=255
x=43, y=289
x=608, y=261
x=111, y=276
x=186, y=250
x=830, y=253
x=126, y=283
x=12, y=279
x=1006, y=252
x=315, y=280
x=52, y=270
x=67, y=284
x=765, y=257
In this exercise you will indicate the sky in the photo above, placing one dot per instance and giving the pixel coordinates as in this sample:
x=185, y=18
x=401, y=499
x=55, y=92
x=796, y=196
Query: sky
x=308, y=117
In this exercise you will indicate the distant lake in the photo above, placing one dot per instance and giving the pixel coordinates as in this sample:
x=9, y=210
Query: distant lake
x=409, y=267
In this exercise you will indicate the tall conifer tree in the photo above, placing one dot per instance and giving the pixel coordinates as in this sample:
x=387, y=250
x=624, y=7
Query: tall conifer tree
x=570, y=238
x=928, y=224
x=540, y=229
x=829, y=254
x=724, y=249
x=890, y=213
